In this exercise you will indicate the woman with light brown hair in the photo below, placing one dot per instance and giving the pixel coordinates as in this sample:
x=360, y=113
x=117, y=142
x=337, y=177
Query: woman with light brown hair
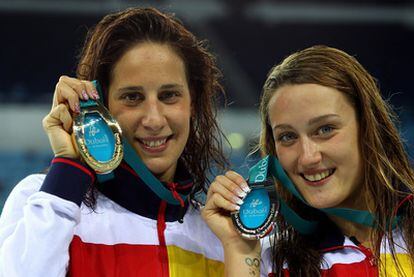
x=325, y=121
x=160, y=83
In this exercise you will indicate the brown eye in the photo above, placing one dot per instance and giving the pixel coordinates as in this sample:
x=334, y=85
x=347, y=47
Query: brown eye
x=169, y=96
x=132, y=98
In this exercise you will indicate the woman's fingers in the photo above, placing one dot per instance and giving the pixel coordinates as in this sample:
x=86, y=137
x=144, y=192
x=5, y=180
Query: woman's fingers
x=71, y=90
x=66, y=94
x=91, y=90
x=227, y=190
x=216, y=214
x=66, y=101
x=63, y=115
x=238, y=179
x=59, y=116
x=58, y=126
x=230, y=186
x=224, y=196
x=217, y=201
x=85, y=89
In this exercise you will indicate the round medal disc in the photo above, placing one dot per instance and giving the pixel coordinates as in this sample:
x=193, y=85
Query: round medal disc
x=256, y=217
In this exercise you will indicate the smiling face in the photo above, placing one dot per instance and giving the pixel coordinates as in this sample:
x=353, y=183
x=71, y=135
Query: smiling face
x=316, y=141
x=150, y=98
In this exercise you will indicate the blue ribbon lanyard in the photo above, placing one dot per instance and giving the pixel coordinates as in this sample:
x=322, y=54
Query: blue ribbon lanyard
x=271, y=166
x=149, y=179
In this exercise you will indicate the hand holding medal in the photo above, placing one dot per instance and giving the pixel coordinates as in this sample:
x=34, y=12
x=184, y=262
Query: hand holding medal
x=79, y=126
x=98, y=136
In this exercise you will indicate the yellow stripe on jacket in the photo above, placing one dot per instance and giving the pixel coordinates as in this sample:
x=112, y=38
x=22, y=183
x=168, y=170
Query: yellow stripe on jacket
x=183, y=263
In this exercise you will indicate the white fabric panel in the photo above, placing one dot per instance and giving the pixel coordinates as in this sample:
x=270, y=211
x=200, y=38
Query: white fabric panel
x=103, y=225
x=36, y=229
x=194, y=235
x=343, y=256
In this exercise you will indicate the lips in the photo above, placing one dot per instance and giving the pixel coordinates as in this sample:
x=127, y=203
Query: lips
x=154, y=144
x=319, y=176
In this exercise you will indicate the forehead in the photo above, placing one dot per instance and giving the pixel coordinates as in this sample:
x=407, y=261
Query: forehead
x=302, y=102
x=149, y=60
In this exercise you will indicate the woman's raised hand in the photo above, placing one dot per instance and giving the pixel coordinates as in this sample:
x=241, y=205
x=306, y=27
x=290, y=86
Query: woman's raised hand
x=58, y=123
x=224, y=196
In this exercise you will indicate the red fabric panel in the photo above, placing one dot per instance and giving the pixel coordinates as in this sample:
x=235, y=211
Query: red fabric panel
x=361, y=269
x=99, y=260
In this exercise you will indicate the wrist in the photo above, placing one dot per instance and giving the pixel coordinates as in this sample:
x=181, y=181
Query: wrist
x=242, y=258
x=241, y=245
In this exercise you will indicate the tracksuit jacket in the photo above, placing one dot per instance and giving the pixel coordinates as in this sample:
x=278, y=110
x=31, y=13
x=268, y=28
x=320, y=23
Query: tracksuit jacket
x=346, y=257
x=46, y=230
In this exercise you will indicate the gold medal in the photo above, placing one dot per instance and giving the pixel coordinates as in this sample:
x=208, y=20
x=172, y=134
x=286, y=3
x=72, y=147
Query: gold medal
x=98, y=137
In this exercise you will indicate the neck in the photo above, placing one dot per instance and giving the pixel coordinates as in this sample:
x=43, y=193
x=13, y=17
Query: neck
x=350, y=229
x=168, y=175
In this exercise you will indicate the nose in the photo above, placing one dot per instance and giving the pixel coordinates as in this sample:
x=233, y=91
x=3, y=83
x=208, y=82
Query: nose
x=310, y=154
x=153, y=116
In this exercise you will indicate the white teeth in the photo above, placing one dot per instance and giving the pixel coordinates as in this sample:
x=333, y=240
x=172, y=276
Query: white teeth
x=154, y=143
x=317, y=177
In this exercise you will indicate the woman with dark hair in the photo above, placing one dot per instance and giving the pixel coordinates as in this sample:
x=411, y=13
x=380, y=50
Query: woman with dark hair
x=324, y=120
x=159, y=82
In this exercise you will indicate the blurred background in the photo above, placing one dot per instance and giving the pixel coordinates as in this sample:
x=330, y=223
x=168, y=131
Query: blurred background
x=40, y=41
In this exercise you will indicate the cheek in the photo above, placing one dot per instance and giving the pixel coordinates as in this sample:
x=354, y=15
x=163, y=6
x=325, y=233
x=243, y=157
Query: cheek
x=344, y=148
x=181, y=116
x=127, y=120
x=286, y=157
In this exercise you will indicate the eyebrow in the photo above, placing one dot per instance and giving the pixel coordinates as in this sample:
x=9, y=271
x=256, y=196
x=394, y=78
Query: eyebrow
x=141, y=88
x=311, y=121
x=130, y=89
x=172, y=86
x=322, y=118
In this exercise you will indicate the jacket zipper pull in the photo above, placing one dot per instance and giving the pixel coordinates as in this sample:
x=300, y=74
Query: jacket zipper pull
x=177, y=196
x=182, y=212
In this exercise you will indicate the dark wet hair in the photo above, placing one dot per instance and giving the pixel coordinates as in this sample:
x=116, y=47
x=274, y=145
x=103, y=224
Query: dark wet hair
x=116, y=33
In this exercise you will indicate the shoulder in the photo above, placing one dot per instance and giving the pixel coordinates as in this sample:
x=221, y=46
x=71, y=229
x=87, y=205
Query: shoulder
x=396, y=252
x=399, y=243
x=27, y=191
x=26, y=187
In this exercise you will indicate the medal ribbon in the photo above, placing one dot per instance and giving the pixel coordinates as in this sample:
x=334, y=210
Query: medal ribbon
x=270, y=166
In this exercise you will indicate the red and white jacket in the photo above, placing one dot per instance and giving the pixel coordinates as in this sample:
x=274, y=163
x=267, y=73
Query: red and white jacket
x=346, y=257
x=46, y=230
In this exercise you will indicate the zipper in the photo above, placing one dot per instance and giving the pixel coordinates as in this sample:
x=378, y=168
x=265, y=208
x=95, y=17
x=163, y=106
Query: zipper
x=161, y=225
x=370, y=256
x=173, y=187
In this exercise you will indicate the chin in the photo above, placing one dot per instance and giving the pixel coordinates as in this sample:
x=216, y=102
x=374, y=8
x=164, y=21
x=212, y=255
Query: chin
x=318, y=204
x=156, y=168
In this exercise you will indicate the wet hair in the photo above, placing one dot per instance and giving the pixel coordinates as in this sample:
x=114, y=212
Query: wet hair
x=388, y=177
x=117, y=33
